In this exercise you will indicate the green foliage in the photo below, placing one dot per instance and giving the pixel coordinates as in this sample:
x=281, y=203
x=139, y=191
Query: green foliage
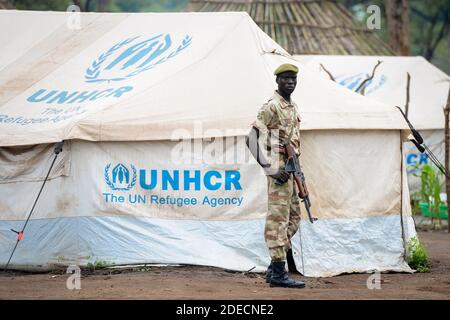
x=56, y=5
x=430, y=189
x=145, y=268
x=149, y=6
x=99, y=264
x=417, y=255
x=415, y=200
x=430, y=26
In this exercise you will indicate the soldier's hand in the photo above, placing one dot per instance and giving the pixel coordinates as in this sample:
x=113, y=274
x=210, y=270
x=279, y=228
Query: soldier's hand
x=281, y=176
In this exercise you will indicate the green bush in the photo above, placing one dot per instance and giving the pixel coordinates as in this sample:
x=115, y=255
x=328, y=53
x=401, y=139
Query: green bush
x=416, y=198
x=99, y=264
x=431, y=189
x=417, y=255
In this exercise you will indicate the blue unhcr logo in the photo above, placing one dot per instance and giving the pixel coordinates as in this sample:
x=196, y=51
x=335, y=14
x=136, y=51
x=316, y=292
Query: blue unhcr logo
x=415, y=161
x=120, y=178
x=131, y=57
x=354, y=81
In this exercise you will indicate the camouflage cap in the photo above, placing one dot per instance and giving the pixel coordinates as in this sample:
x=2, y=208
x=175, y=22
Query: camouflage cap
x=284, y=68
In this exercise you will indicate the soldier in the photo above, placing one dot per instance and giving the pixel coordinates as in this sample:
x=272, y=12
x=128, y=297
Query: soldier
x=277, y=124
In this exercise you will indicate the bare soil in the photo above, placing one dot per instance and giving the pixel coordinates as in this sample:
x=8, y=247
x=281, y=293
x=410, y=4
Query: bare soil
x=193, y=282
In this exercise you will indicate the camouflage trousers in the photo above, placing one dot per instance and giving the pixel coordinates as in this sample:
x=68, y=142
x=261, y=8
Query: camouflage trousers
x=283, y=217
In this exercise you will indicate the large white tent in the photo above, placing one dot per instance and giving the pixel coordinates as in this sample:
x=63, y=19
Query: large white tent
x=428, y=94
x=126, y=92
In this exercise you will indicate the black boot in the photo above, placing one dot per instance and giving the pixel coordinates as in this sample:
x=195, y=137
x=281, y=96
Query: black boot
x=269, y=273
x=280, y=277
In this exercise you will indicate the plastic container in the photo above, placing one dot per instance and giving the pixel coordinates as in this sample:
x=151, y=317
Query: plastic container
x=443, y=210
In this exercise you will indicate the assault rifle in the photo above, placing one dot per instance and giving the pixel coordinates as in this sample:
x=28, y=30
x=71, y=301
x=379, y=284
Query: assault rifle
x=293, y=166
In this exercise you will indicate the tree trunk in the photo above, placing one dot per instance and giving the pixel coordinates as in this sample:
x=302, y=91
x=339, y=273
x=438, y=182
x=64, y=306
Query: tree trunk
x=102, y=5
x=397, y=13
x=447, y=155
x=87, y=6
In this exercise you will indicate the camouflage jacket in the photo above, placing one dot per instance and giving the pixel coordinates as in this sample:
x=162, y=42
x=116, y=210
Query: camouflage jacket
x=279, y=121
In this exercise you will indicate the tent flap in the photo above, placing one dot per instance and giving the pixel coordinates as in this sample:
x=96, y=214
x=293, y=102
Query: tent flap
x=32, y=163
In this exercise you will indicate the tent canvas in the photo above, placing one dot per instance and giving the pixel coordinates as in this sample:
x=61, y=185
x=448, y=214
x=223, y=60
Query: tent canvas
x=429, y=89
x=129, y=101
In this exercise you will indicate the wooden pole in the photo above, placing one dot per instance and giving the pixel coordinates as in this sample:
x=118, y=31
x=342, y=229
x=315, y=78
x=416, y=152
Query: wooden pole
x=447, y=155
x=408, y=82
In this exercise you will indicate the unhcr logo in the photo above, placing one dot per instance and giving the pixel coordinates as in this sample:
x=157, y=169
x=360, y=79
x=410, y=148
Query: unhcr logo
x=120, y=178
x=352, y=82
x=130, y=57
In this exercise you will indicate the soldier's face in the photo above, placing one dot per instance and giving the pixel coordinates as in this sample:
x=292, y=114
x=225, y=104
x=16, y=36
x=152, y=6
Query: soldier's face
x=287, y=81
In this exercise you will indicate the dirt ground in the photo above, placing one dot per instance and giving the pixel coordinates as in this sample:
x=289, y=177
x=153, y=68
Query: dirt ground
x=191, y=282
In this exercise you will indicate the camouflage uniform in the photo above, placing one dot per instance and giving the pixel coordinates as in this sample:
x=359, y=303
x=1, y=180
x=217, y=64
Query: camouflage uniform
x=283, y=215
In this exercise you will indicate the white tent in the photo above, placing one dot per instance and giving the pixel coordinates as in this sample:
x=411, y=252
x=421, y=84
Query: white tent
x=429, y=89
x=125, y=92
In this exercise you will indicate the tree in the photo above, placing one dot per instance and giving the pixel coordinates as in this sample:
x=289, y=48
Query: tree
x=433, y=25
x=54, y=5
x=87, y=5
x=429, y=27
x=397, y=13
